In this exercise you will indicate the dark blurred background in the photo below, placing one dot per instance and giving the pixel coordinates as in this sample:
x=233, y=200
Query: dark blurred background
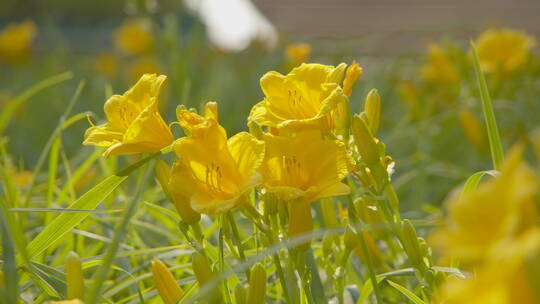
x=386, y=26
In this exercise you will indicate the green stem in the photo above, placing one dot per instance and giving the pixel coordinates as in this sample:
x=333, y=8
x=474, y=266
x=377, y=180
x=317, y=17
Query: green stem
x=371, y=267
x=237, y=240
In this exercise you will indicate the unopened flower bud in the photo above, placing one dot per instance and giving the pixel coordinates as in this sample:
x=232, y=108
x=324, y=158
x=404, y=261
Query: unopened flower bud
x=364, y=140
x=168, y=289
x=240, y=294
x=74, y=276
x=202, y=269
x=354, y=71
x=257, y=285
x=372, y=107
x=410, y=244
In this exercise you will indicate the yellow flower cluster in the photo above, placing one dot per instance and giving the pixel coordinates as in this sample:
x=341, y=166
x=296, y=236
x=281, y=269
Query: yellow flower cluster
x=493, y=232
x=299, y=160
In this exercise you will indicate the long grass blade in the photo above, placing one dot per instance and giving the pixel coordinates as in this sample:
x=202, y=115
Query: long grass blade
x=489, y=115
x=53, y=233
x=411, y=296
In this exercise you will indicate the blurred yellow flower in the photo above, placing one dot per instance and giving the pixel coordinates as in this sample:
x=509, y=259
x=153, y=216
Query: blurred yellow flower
x=303, y=99
x=439, y=68
x=305, y=167
x=504, y=50
x=216, y=172
x=482, y=223
x=487, y=288
x=472, y=128
x=134, y=37
x=16, y=40
x=505, y=280
x=298, y=53
x=107, y=64
x=144, y=65
x=134, y=123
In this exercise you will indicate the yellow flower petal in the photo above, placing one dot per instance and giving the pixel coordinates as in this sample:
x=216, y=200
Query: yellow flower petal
x=247, y=152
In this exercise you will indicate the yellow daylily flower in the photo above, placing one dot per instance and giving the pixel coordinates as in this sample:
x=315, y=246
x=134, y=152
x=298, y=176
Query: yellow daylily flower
x=133, y=37
x=305, y=167
x=303, y=99
x=134, y=123
x=298, y=53
x=302, y=169
x=504, y=50
x=439, y=68
x=507, y=209
x=216, y=172
x=16, y=40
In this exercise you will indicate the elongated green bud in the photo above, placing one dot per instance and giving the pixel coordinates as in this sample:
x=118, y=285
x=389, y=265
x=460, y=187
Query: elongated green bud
x=343, y=117
x=372, y=107
x=202, y=269
x=74, y=276
x=412, y=247
x=364, y=140
x=203, y=273
x=257, y=285
x=166, y=285
x=240, y=294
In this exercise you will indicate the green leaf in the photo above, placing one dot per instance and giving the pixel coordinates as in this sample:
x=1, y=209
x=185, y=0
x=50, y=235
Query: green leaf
x=410, y=272
x=10, y=292
x=54, y=232
x=367, y=289
x=411, y=296
x=317, y=288
x=62, y=210
x=49, y=278
x=473, y=181
x=491, y=123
